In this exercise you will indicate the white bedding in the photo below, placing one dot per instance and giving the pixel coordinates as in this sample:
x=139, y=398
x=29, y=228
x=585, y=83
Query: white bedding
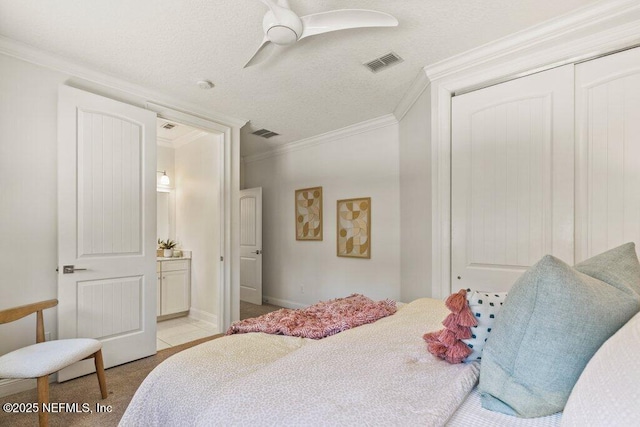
x=376, y=374
x=176, y=390
x=471, y=413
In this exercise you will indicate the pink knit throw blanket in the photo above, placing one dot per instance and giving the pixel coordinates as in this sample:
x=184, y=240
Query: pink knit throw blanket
x=319, y=320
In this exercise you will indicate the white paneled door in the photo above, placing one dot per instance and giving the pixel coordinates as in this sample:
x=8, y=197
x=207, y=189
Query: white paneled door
x=251, y=245
x=512, y=179
x=106, y=226
x=608, y=143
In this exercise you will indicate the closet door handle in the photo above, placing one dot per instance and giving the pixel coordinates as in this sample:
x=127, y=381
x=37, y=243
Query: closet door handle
x=258, y=252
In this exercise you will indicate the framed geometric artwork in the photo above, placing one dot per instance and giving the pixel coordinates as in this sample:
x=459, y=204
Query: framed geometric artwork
x=309, y=214
x=354, y=227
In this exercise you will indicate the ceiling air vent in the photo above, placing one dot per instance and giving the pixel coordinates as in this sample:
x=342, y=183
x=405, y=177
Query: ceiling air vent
x=385, y=61
x=168, y=126
x=265, y=133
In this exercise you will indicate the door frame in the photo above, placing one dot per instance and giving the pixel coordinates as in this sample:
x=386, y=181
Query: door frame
x=225, y=290
x=610, y=27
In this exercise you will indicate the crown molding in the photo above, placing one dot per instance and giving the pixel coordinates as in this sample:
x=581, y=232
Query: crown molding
x=189, y=137
x=30, y=54
x=345, y=132
x=164, y=142
x=558, y=38
x=181, y=140
x=418, y=86
x=189, y=118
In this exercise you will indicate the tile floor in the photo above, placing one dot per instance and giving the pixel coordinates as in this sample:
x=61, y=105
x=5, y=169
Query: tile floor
x=184, y=329
x=181, y=330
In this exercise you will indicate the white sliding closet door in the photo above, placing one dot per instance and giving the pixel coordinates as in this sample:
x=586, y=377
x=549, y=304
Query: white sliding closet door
x=608, y=166
x=512, y=178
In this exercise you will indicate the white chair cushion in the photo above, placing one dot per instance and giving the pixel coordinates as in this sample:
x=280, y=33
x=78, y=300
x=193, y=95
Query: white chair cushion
x=46, y=357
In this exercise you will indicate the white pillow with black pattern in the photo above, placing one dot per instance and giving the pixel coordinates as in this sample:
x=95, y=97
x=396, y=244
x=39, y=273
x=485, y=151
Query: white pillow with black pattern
x=485, y=306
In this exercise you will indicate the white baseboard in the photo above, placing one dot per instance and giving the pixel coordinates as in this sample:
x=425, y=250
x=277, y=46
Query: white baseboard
x=204, y=316
x=283, y=302
x=12, y=386
x=9, y=386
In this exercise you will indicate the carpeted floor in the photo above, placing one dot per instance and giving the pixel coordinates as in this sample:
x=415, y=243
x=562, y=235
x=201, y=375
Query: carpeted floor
x=122, y=383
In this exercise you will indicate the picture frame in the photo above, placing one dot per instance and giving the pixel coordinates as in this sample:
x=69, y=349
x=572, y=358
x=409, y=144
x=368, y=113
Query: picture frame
x=308, y=214
x=353, y=227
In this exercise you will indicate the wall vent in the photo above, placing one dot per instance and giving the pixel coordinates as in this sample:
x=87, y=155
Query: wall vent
x=265, y=133
x=383, y=62
x=168, y=126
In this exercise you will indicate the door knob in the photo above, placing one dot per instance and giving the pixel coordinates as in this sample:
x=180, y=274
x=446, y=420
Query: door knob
x=70, y=269
x=257, y=252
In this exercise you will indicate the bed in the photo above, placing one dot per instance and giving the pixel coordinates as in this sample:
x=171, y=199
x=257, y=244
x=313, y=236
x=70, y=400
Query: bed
x=375, y=374
x=566, y=339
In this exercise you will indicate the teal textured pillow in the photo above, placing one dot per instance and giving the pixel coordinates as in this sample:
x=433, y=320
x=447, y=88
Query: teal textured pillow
x=553, y=320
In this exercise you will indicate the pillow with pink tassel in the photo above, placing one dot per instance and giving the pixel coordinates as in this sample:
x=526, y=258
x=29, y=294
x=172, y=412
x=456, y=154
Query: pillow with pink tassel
x=467, y=327
x=447, y=343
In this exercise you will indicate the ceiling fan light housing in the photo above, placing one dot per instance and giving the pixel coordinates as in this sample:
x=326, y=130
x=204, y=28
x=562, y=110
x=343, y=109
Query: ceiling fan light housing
x=282, y=35
x=282, y=26
x=284, y=30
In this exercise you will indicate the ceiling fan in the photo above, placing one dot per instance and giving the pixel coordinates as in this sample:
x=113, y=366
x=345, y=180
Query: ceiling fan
x=283, y=27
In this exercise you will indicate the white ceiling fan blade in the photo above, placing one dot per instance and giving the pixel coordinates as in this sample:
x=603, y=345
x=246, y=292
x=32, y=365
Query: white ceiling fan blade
x=261, y=53
x=343, y=19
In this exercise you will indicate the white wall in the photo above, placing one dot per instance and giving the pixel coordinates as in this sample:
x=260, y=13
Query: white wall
x=198, y=198
x=28, y=194
x=166, y=162
x=28, y=189
x=415, y=199
x=362, y=165
x=242, y=185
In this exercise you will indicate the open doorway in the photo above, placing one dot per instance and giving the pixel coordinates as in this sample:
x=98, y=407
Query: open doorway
x=190, y=213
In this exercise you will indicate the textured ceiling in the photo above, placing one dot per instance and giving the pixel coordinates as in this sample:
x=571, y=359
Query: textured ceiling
x=313, y=87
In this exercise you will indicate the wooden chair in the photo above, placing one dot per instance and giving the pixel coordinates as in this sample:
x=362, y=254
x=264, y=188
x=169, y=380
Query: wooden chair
x=46, y=357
